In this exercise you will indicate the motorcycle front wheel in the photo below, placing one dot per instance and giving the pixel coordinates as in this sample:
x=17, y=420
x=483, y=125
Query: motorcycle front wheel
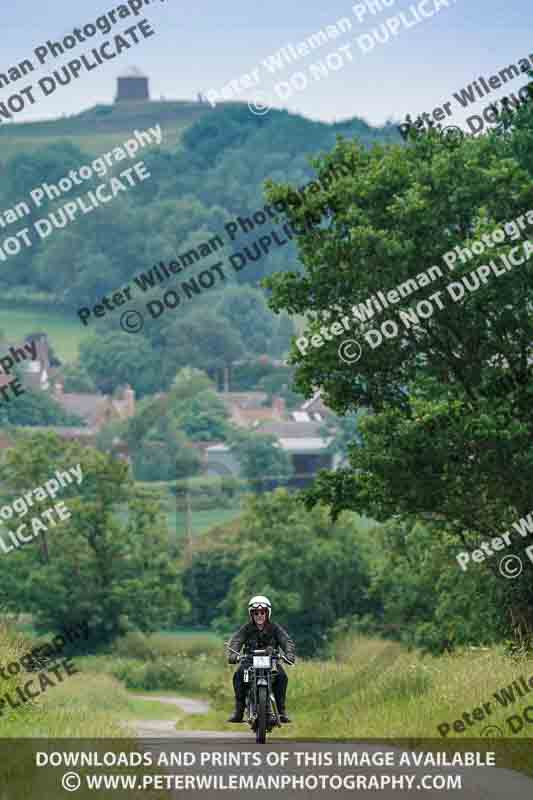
x=262, y=707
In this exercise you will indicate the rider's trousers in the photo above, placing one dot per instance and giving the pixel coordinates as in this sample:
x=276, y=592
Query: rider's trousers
x=279, y=686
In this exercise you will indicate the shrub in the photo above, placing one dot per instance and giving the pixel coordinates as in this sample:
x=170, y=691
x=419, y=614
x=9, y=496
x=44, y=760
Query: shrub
x=152, y=675
x=12, y=649
x=159, y=646
x=164, y=675
x=134, y=645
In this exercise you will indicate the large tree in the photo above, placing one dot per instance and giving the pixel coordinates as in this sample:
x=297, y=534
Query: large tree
x=202, y=337
x=314, y=571
x=247, y=311
x=37, y=408
x=450, y=396
x=115, y=359
x=115, y=573
x=262, y=460
x=198, y=410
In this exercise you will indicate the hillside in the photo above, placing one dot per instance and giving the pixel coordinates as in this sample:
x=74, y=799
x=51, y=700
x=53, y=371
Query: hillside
x=218, y=171
x=371, y=688
x=103, y=126
x=211, y=168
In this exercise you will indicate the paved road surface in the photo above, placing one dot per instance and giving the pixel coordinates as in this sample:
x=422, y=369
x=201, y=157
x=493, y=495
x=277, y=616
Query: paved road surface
x=482, y=783
x=166, y=728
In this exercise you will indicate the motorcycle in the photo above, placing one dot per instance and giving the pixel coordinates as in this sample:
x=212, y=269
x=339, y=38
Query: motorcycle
x=261, y=710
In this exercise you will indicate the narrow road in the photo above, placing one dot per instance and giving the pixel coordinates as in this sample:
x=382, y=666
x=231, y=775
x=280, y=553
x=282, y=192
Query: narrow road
x=166, y=728
x=158, y=736
x=187, y=704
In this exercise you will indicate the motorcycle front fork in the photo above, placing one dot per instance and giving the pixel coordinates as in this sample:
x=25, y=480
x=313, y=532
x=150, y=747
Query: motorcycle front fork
x=251, y=704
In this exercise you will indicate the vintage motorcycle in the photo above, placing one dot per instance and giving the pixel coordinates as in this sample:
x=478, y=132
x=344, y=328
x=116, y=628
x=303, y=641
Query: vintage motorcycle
x=261, y=710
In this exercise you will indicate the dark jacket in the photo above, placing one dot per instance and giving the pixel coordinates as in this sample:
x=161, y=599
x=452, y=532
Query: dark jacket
x=251, y=638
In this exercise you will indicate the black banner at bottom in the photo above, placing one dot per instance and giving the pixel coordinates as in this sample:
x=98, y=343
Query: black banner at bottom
x=474, y=769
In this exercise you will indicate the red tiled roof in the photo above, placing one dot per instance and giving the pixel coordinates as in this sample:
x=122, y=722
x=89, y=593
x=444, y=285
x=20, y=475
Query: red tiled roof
x=91, y=407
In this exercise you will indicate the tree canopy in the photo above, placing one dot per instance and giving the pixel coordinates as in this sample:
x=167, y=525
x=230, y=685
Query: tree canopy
x=450, y=395
x=96, y=567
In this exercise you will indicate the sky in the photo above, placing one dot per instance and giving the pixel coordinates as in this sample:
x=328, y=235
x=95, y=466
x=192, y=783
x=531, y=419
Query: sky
x=203, y=46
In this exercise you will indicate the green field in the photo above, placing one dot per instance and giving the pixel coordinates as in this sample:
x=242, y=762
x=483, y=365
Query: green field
x=202, y=520
x=98, y=129
x=64, y=334
x=371, y=688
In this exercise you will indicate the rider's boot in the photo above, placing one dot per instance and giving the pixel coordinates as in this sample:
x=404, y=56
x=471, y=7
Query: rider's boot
x=238, y=713
x=280, y=691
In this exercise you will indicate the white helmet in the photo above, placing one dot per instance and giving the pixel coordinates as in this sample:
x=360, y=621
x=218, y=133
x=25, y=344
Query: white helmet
x=259, y=601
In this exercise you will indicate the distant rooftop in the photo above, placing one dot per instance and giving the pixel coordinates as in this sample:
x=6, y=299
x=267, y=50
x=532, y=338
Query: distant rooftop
x=132, y=72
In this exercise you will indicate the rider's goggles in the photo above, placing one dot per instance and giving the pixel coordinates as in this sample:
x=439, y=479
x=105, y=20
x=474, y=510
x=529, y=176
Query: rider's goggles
x=259, y=610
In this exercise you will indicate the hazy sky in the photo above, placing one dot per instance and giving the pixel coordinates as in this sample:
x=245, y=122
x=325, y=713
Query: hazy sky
x=203, y=45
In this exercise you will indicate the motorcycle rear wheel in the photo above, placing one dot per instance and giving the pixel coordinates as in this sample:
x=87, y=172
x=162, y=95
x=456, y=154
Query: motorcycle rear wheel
x=262, y=708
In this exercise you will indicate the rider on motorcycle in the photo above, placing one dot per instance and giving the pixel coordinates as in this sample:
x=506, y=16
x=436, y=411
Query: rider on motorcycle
x=259, y=634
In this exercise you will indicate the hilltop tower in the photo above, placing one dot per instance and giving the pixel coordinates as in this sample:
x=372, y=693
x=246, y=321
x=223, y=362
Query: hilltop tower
x=132, y=85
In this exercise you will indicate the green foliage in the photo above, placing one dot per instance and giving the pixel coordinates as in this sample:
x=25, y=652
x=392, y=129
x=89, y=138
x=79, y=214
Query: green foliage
x=37, y=408
x=207, y=580
x=427, y=601
x=115, y=576
x=163, y=646
x=109, y=434
x=283, y=336
x=165, y=662
x=18, y=314
x=115, y=359
x=165, y=454
x=12, y=649
x=246, y=377
x=261, y=459
x=217, y=173
x=159, y=674
x=204, y=338
x=451, y=397
x=279, y=382
x=247, y=311
x=159, y=435
x=345, y=433
x=75, y=378
x=198, y=411
x=207, y=493
x=313, y=571
x=209, y=137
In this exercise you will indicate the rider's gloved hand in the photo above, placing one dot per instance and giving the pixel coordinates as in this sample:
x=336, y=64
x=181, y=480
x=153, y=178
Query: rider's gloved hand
x=233, y=659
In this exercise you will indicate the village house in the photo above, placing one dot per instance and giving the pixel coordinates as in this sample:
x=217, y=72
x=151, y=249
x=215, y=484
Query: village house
x=299, y=433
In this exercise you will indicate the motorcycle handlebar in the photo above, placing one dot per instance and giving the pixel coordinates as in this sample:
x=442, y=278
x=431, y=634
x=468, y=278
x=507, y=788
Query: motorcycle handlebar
x=287, y=660
x=275, y=653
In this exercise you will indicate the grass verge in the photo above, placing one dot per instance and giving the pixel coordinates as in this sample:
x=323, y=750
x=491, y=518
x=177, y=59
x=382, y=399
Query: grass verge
x=377, y=689
x=64, y=334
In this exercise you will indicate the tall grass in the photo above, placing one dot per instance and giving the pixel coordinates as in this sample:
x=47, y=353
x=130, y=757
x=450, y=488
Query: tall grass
x=188, y=664
x=377, y=689
x=85, y=705
x=64, y=333
x=80, y=705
